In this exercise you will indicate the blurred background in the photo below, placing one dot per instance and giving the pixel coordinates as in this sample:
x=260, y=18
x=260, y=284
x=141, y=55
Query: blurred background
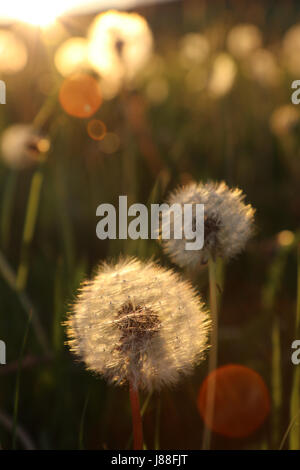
x=98, y=107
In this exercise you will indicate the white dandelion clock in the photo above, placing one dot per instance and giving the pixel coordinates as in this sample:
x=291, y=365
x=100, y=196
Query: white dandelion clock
x=137, y=322
x=120, y=45
x=22, y=146
x=228, y=223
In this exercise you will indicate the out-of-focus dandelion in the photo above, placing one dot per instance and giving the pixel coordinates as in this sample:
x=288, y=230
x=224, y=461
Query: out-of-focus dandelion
x=13, y=53
x=242, y=401
x=284, y=120
x=23, y=146
x=138, y=323
x=222, y=75
x=261, y=66
x=243, y=39
x=291, y=49
x=72, y=57
x=120, y=45
x=194, y=49
x=80, y=95
x=228, y=223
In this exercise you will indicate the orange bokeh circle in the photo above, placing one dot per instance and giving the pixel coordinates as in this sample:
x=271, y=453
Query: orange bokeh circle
x=242, y=401
x=96, y=129
x=80, y=95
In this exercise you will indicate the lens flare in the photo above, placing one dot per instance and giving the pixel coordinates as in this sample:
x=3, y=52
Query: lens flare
x=96, y=129
x=242, y=401
x=285, y=238
x=80, y=95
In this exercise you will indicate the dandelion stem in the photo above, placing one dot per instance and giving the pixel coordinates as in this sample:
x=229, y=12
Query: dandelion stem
x=213, y=356
x=276, y=380
x=17, y=390
x=7, y=207
x=29, y=227
x=157, y=425
x=136, y=418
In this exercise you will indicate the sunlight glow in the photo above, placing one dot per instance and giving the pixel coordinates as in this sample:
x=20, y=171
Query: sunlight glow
x=33, y=12
x=38, y=13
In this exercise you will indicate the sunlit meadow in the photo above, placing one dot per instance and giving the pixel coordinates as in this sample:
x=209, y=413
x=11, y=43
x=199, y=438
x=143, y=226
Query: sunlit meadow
x=183, y=101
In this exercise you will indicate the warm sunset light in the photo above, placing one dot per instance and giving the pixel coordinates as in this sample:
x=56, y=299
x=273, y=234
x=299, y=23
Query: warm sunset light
x=42, y=14
x=33, y=12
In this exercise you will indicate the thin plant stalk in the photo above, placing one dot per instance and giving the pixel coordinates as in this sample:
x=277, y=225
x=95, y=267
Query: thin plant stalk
x=136, y=418
x=294, y=437
x=7, y=208
x=276, y=380
x=80, y=438
x=10, y=277
x=157, y=425
x=17, y=390
x=213, y=355
x=269, y=294
x=29, y=227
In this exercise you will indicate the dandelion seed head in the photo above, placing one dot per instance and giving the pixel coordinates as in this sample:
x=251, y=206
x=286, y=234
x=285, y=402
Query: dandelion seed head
x=194, y=49
x=120, y=45
x=13, y=53
x=223, y=75
x=285, y=120
x=149, y=330
x=228, y=223
x=71, y=56
x=262, y=66
x=243, y=39
x=291, y=48
x=22, y=146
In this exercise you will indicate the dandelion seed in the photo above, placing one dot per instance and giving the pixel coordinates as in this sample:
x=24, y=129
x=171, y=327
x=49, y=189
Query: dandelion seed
x=22, y=146
x=228, y=223
x=136, y=342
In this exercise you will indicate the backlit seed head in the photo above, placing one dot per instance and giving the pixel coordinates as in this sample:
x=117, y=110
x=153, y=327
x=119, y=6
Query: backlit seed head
x=120, y=45
x=22, y=146
x=228, y=223
x=136, y=321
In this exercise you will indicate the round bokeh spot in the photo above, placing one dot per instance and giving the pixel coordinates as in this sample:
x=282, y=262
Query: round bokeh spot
x=242, y=401
x=80, y=95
